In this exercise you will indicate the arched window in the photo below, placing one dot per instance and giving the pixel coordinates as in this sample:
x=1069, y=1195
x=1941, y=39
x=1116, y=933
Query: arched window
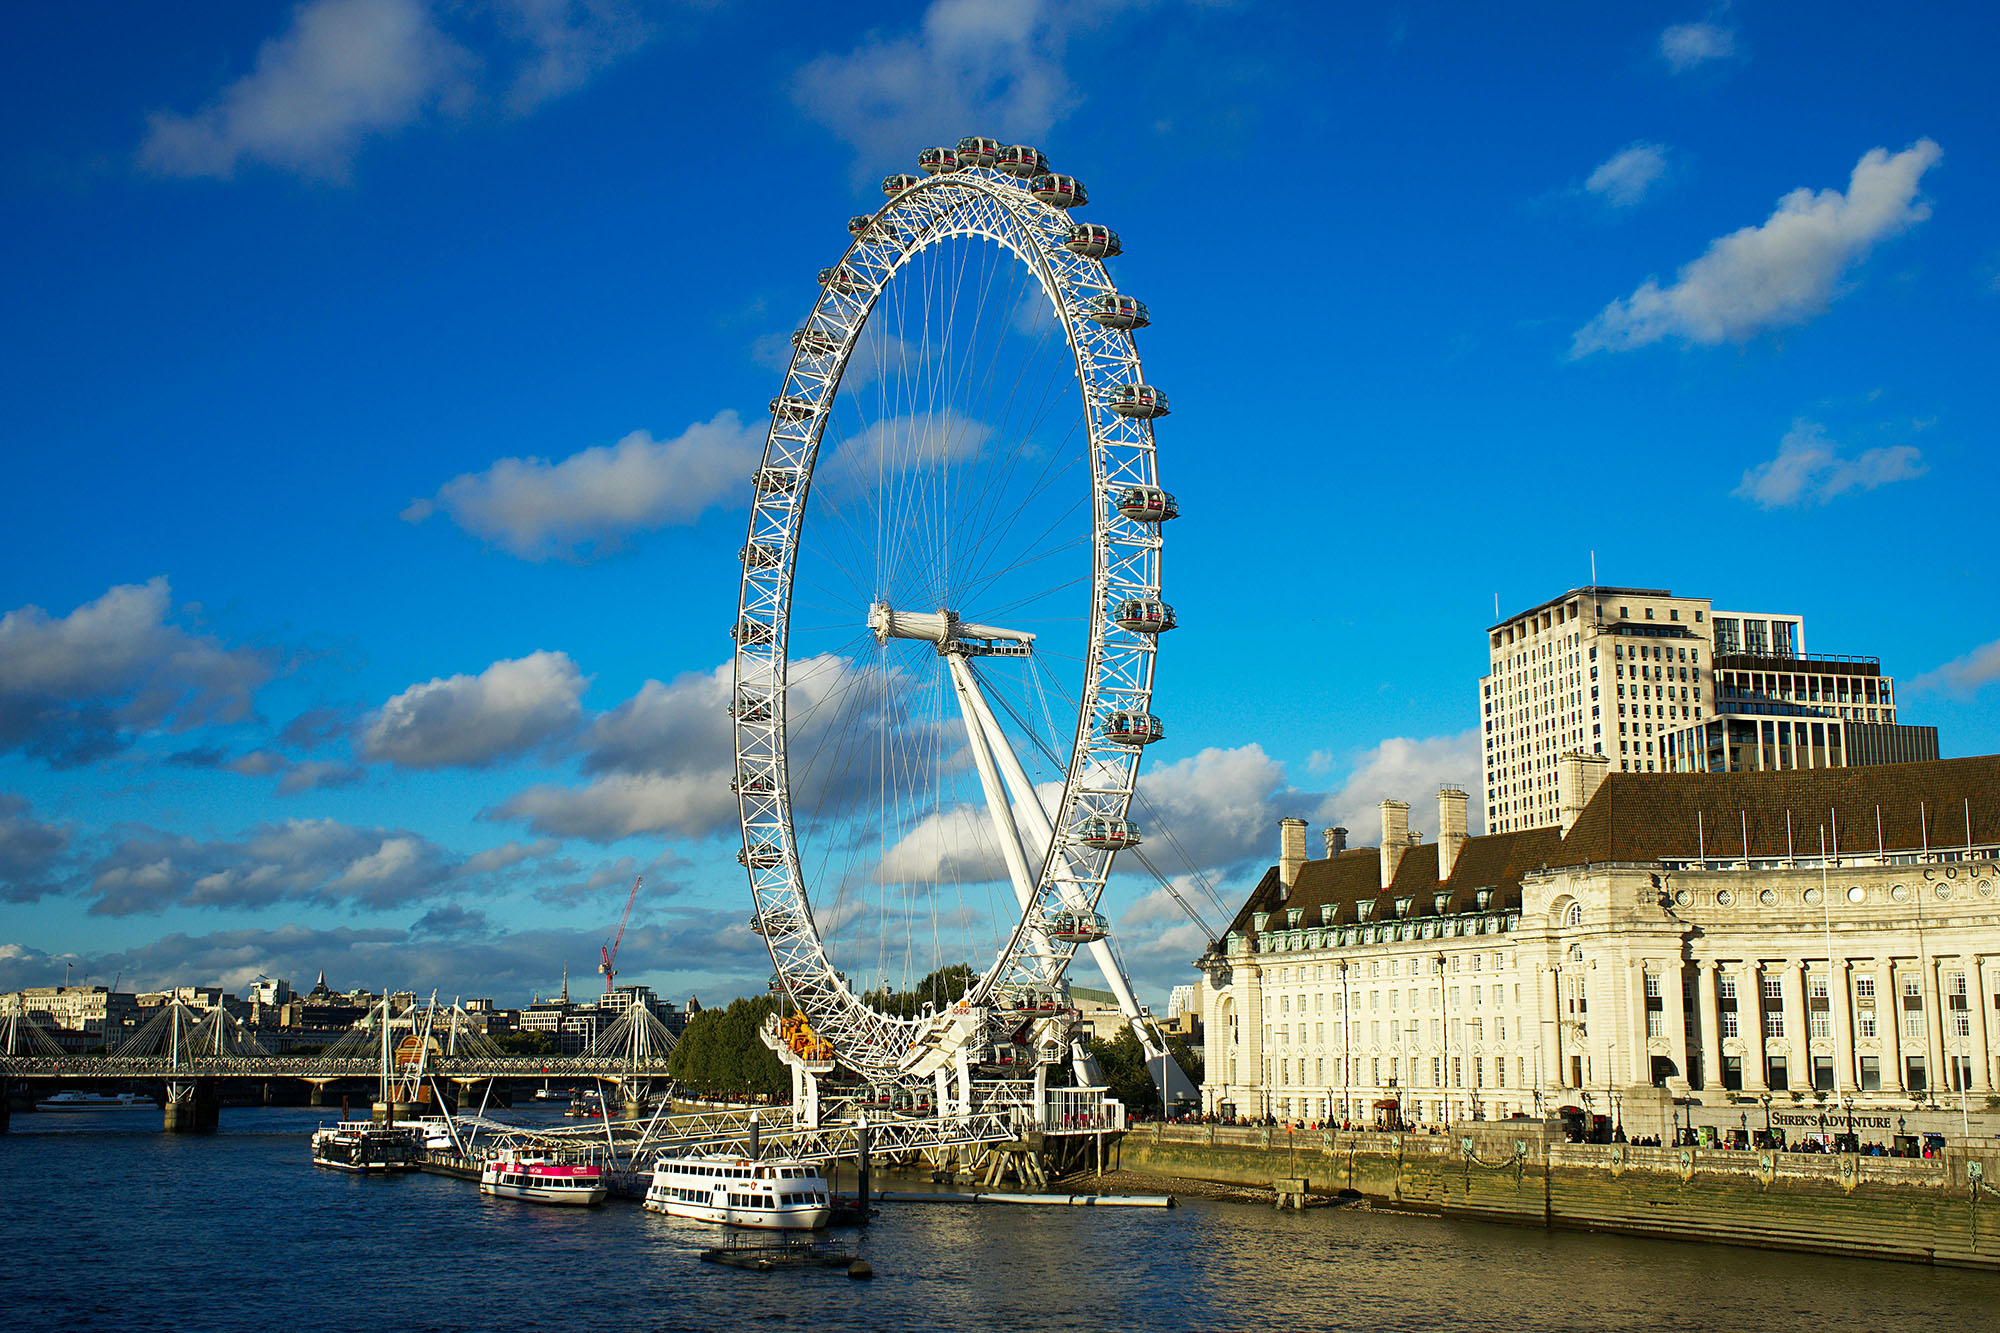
x=1572, y=915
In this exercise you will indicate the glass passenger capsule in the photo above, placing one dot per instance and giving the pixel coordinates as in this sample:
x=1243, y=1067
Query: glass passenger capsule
x=815, y=342
x=1145, y=615
x=747, y=709
x=859, y=223
x=1088, y=238
x=761, y=856
x=1021, y=161
x=936, y=161
x=747, y=630
x=900, y=181
x=1072, y=927
x=791, y=408
x=758, y=555
x=776, y=480
x=1115, y=310
x=752, y=784
x=977, y=151
x=1142, y=401
x=1107, y=833
x=756, y=924
x=1058, y=191
x=1147, y=504
x=841, y=278
x=777, y=983
x=1133, y=728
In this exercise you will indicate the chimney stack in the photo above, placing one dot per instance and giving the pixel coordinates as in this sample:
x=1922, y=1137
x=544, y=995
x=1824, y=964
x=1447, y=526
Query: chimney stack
x=1451, y=829
x=1395, y=837
x=1578, y=776
x=1291, y=850
x=1336, y=840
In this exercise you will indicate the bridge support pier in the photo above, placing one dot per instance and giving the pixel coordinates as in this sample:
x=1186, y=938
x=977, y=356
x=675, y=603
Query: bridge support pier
x=194, y=1106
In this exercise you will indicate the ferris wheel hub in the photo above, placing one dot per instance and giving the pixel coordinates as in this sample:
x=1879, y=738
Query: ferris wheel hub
x=948, y=632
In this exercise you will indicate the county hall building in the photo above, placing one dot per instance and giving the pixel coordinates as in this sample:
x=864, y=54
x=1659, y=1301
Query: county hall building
x=1809, y=945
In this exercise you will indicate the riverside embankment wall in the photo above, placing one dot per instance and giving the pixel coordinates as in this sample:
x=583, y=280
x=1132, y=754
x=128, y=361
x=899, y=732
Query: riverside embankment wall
x=1942, y=1210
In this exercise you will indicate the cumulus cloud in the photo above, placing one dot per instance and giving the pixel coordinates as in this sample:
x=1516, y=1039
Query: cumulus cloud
x=1810, y=469
x=625, y=804
x=30, y=851
x=319, y=774
x=473, y=721
x=1963, y=675
x=591, y=503
x=451, y=949
x=346, y=71
x=971, y=66
x=318, y=861
x=1623, y=179
x=1686, y=46
x=1407, y=770
x=76, y=688
x=1781, y=272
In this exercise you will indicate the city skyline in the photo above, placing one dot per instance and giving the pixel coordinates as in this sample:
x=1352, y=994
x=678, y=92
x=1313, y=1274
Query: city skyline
x=388, y=376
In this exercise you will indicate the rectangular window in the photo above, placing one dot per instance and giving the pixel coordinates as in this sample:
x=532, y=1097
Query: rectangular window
x=1653, y=1025
x=1774, y=990
x=1823, y=1073
x=1914, y=1074
x=1778, y=1074
x=1375, y=1071
x=1820, y=1022
x=1774, y=1022
x=1871, y=1073
x=1864, y=1022
x=1864, y=988
x=1732, y=1072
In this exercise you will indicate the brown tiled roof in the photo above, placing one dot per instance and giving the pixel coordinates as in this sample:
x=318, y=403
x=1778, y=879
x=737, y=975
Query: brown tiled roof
x=1646, y=816
x=1496, y=861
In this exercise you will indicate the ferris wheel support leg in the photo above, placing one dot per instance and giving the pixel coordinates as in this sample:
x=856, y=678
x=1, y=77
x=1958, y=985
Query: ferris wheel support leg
x=996, y=796
x=1172, y=1080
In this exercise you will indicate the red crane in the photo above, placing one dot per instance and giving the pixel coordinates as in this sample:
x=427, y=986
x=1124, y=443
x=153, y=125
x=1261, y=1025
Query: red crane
x=609, y=953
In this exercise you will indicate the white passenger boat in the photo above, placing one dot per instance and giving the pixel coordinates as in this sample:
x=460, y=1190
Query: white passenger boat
x=363, y=1145
x=776, y=1193
x=97, y=1101
x=539, y=1180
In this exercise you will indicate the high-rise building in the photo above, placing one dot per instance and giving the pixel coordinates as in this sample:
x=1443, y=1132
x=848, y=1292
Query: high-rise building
x=1775, y=710
x=1603, y=670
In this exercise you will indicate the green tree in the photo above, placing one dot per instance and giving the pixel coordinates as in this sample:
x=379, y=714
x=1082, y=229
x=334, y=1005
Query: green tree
x=720, y=1052
x=525, y=1043
x=1123, y=1062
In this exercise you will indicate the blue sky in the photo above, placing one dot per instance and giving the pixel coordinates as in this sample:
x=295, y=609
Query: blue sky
x=383, y=375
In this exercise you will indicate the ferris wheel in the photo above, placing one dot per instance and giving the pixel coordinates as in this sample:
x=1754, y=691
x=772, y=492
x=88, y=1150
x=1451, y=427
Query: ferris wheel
x=949, y=618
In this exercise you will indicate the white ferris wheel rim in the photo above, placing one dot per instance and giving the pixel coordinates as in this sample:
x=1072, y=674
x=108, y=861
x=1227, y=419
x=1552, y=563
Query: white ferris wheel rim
x=1100, y=774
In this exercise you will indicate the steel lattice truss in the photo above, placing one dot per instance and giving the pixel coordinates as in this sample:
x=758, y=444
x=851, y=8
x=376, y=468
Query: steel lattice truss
x=965, y=203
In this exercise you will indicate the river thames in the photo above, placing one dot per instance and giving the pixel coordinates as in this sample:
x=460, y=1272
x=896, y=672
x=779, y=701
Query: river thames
x=111, y=1224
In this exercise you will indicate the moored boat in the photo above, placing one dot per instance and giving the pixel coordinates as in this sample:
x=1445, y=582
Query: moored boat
x=774, y=1194
x=363, y=1145
x=97, y=1101
x=539, y=1180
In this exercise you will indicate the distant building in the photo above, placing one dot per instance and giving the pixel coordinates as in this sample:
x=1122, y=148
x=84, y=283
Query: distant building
x=78, y=1017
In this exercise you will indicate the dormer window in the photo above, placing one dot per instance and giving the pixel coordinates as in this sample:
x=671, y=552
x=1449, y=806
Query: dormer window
x=1364, y=909
x=1438, y=903
x=1403, y=906
x=1329, y=913
x=1294, y=915
x=1482, y=899
x=1260, y=921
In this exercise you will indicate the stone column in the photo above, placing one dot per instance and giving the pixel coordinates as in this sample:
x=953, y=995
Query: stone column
x=1673, y=1002
x=1889, y=1024
x=1710, y=1019
x=1798, y=1028
x=1639, y=1065
x=1750, y=1023
x=1934, y=1026
x=1978, y=999
x=1838, y=998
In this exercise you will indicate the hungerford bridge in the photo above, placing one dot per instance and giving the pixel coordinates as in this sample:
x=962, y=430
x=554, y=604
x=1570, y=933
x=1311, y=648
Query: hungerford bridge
x=408, y=1055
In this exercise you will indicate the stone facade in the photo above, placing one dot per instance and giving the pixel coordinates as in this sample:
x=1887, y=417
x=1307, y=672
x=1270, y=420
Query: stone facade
x=1679, y=945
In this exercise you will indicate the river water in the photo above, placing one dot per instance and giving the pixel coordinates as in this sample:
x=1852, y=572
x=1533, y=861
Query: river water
x=111, y=1224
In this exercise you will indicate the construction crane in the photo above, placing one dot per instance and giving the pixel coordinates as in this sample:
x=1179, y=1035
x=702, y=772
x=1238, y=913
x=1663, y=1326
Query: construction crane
x=607, y=962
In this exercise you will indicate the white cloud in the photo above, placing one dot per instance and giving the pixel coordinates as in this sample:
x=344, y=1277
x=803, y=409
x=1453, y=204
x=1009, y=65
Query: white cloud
x=1810, y=469
x=971, y=67
x=590, y=503
x=1623, y=179
x=74, y=688
x=623, y=805
x=1222, y=807
x=1406, y=770
x=1684, y=46
x=1781, y=272
x=471, y=721
x=299, y=860
x=1963, y=675
x=30, y=851
x=348, y=70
